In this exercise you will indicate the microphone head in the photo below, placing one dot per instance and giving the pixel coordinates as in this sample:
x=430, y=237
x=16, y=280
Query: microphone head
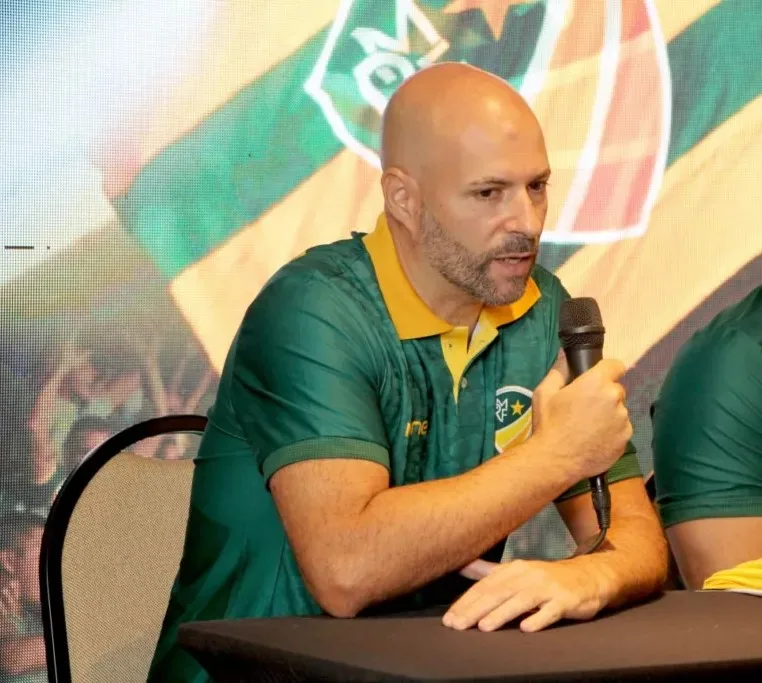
x=580, y=323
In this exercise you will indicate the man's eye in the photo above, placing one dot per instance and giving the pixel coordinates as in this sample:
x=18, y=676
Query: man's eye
x=487, y=193
x=538, y=186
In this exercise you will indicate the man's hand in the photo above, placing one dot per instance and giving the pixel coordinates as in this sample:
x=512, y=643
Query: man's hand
x=557, y=590
x=631, y=565
x=584, y=425
x=478, y=569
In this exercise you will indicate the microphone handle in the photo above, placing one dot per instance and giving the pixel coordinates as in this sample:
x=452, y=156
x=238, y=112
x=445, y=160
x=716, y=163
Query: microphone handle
x=580, y=359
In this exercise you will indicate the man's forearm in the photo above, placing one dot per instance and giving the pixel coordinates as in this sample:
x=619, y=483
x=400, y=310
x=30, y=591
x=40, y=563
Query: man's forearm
x=632, y=562
x=407, y=536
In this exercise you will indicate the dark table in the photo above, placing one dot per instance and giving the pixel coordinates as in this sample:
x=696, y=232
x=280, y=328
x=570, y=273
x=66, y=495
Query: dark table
x=682, y=635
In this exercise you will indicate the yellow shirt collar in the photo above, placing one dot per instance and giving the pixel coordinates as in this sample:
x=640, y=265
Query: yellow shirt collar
x=410, y=315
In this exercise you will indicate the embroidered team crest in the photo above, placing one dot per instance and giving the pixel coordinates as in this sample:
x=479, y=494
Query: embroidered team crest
x=513, y=416
x=572, y=57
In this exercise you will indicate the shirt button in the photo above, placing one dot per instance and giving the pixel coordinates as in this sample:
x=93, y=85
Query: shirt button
x=463, y=383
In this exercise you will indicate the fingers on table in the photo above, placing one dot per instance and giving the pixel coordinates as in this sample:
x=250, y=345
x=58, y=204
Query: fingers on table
x=484, y=597
x=470, y=609
x=511, y=609
x=491, y=613
x=551, y=612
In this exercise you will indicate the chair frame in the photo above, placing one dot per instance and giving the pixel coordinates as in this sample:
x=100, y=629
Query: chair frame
x=57, y=524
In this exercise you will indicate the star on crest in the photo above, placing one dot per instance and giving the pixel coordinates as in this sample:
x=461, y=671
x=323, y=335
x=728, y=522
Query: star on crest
x=494, y=11
x=517, y=408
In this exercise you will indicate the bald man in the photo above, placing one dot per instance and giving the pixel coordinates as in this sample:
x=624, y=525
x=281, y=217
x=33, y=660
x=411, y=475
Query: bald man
x=389, y=410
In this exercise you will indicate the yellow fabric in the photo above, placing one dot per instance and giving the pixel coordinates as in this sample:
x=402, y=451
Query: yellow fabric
x=252, y=255
x=410, y=315
x=675, y=17
x=745, y=575
x=457, y=351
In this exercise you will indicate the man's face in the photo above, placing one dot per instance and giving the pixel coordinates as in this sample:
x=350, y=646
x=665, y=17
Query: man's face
x=483, y=213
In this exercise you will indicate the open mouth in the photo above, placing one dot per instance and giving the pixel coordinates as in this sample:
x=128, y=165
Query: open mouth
x=515, y=258
x=513, y=265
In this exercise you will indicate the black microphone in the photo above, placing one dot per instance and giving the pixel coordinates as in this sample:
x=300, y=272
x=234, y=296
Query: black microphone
x=581, y=332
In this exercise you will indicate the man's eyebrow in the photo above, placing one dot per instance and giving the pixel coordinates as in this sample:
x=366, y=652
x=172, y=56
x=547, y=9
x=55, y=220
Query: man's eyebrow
x=504, y=182
x=490, y=180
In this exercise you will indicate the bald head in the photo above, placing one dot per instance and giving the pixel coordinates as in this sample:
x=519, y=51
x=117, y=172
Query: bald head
x=464, y=179
x=441, y=109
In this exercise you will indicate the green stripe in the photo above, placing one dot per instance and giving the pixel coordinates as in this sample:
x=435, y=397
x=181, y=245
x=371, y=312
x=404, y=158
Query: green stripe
x=261, y=145
x=230, y=169
x=715, y=65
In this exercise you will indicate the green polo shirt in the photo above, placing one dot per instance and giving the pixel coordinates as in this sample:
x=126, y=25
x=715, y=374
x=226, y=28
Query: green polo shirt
x=707, y=421
x=339, y=358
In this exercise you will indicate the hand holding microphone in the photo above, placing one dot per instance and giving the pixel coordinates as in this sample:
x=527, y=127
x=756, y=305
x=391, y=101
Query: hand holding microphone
x=581, y=428
x=581, y=332
x=584, y=423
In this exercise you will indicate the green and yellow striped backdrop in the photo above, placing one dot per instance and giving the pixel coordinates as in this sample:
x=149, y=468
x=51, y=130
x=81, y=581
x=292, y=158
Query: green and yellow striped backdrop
x=163, y=160
x=651, y=112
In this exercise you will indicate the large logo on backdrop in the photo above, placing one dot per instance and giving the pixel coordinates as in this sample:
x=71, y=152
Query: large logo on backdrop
x=513, y=416
x=595, y=73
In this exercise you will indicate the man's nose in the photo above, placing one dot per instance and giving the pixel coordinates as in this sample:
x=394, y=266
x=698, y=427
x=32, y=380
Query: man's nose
x=523, y=215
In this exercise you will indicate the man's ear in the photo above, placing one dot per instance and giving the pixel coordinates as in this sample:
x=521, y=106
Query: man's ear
x=402, y=199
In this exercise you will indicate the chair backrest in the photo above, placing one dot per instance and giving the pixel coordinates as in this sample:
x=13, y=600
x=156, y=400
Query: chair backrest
x=110, y=552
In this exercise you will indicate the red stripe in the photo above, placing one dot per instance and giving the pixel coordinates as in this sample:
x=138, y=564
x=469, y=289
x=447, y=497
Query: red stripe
x=616, y=197
x=635, y=20
x=618, y=188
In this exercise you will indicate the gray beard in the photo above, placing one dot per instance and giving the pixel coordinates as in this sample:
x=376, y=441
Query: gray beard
x=468, y=271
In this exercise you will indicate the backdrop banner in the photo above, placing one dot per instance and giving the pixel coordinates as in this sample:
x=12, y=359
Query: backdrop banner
x=161, y=160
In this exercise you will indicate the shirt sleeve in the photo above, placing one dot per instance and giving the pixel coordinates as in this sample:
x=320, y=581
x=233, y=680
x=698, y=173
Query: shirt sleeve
x=707, y=431
x=303, y=380
x=627, y=466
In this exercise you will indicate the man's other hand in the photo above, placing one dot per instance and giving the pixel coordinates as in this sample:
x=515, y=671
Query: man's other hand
x=551, y=590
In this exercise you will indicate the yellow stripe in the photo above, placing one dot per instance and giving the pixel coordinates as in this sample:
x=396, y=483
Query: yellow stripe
x=248, y=37
x=515, y=433
x=676, y=15
x=214, y=293
x=704, y=228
